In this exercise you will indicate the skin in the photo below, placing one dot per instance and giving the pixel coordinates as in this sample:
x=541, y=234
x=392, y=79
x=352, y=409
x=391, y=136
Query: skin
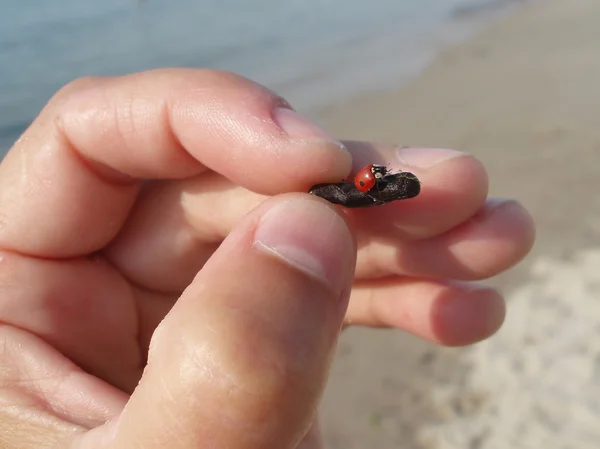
x=165, y=283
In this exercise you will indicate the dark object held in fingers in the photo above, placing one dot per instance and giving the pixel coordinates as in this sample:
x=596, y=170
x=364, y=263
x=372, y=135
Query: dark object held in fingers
x=387, y=188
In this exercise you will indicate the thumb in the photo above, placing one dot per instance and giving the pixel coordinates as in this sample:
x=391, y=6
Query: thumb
x=242, y=359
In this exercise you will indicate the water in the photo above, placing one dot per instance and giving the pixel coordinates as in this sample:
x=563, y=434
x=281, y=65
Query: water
x=311, y=51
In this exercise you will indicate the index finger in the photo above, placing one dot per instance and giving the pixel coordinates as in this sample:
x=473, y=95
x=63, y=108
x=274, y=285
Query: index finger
x=66, y=187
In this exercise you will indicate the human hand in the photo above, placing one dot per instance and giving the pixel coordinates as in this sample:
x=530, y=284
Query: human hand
x=202, y=308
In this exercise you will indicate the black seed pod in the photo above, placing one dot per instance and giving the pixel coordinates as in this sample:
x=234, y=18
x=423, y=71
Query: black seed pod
x=391, y=187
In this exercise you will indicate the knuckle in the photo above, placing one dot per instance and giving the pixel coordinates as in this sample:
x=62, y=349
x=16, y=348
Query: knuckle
x=245, y=89
x=75, y=87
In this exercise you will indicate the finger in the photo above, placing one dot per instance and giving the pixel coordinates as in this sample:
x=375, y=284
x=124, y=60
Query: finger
x=500, y=235
x=96, y=135
x=313, y=438
x=45, y=396
x=169, y=235
x=175, y=227
x=71, y=304
x=83, y=292
x=163, y=247
x=241, y=359
x=447, y=313
x=454, y=186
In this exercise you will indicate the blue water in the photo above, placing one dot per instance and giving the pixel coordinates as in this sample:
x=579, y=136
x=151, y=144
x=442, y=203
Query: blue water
x=311, y=51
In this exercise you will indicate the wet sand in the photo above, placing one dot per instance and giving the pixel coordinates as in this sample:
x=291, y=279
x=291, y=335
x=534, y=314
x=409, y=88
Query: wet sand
x=524, y=97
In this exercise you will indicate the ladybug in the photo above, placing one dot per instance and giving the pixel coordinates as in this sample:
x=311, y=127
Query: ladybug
x=387, y=188
x=367, y=177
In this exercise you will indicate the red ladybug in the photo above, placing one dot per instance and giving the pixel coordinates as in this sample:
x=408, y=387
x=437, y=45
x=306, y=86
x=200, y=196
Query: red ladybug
x=367, y=177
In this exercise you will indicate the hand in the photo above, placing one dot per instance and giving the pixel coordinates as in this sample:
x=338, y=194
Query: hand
x=201, y=308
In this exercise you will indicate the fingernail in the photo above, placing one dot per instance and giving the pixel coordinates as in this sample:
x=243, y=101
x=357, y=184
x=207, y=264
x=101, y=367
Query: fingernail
x=425, y=157
x=299, y=127
x=310, y=237
x=494, y=203
x=489, y=208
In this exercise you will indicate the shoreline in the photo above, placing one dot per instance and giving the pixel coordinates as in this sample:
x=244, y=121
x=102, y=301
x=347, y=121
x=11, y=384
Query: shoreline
x=523, y=97
x=317, y=90
x=311, y=73
x=517, y=100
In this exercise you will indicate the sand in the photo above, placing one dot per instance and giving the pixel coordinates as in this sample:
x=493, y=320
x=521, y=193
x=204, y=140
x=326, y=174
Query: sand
x=524, y=96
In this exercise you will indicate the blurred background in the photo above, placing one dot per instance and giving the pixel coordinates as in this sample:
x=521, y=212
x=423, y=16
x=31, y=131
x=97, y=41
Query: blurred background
x=314, y=52
x=515, y=82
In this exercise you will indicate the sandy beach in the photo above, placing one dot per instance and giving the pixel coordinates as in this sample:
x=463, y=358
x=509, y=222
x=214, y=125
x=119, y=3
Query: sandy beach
x=524, y=96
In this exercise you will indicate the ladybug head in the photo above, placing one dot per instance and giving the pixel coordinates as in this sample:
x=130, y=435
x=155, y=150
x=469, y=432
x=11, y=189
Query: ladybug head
x=379, y=171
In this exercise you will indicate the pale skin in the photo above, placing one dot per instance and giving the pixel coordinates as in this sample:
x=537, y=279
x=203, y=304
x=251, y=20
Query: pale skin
x=250, y=279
